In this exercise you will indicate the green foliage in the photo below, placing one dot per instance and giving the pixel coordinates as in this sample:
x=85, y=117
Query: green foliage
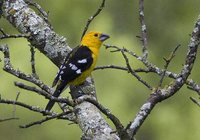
x=169, y=23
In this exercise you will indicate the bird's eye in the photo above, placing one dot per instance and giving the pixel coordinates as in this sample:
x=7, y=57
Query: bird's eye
x=96, y=35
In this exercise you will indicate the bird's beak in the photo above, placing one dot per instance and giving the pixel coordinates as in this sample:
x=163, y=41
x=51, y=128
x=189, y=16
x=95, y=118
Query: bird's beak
x=103, y=37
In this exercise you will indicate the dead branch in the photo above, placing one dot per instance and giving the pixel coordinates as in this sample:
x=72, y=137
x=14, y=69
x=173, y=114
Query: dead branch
x=93, y=17
x=143, y=29
x=161, y=94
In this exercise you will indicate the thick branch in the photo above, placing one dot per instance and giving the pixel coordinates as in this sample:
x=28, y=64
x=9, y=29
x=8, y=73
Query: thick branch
x=41, y=35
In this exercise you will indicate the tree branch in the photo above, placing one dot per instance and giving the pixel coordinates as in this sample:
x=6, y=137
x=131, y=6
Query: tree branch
x=45, y=94
x=150, y=68
x=93, y=17
x=54, y=116
x=6, y=36
x=42, y=36
x=167, y=61
x=33, y=61
x=195, y=101
x=161, y=94
x=134, y=73
x=8, y=68
x=29, y=107
x=143, y=29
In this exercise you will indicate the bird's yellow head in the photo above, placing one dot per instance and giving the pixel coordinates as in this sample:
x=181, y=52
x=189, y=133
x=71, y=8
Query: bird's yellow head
x=93, y=40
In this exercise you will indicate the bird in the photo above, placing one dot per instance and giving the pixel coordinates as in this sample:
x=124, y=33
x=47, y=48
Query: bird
x=79, y=64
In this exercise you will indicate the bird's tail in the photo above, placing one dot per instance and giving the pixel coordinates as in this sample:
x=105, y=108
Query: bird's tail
x=51, y=102
x=57, y=92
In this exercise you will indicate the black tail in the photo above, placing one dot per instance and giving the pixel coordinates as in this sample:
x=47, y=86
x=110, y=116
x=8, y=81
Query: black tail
x=61, y=87
x=51, y=103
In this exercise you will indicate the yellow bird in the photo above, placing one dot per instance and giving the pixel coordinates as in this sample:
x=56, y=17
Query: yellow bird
x=79, y=65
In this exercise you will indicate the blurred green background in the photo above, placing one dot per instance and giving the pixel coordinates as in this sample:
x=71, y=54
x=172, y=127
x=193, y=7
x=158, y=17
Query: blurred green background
x=169, y=23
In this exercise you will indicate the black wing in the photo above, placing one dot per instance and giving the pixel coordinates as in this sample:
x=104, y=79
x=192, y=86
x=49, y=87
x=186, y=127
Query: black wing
x=78, y=61
x=65, y=61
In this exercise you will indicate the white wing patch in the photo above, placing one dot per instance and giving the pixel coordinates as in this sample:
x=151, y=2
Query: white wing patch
x=60, y=77
x=78, y=71
x=82, y=61
x=73, y=67
x=63, y=67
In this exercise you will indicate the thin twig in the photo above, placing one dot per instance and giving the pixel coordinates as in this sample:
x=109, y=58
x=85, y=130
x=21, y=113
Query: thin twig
x=32, y=50
x=118, y=49
x=7, y=36
x=121, y=68
x=193, y=86
x=8, y=119
x=32, y=108
x=44, y=120
x=167, y=62
x=45, y=94
x=134, y=73
x=143, y=29
x=14, y=106
x=8, y=68
x=111, y=67
x=93, y=17
x=127, y=62
x=195, y=101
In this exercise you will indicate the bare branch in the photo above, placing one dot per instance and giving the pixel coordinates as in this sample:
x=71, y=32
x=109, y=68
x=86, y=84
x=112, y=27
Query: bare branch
x=151, y=68
x=33, y=61
x=8, y=119
x=32, y=108
x=161, y=94
x=45, y=94
x=7, y=36
x=93, y=17
x=121, y=68
x=8, y=68
x=111, y=67
x=14, y=106
x=133, y=72
x=193, y=86
x=118, y=49
x=167, y=61
x=38, y=7
x=195, y=101
x=143, y=29
x=41, y=10
x=13, y=112
x=54, y=116
x=127, y=63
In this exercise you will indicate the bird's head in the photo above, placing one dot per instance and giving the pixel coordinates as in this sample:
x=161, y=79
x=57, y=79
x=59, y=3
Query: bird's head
x=94, y=39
